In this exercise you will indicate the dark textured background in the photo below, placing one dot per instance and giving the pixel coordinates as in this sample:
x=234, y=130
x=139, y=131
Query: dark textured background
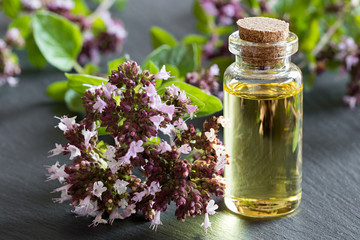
x=331, y=204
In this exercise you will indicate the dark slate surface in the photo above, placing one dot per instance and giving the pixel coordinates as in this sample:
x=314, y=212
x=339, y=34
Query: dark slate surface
x=331, y=203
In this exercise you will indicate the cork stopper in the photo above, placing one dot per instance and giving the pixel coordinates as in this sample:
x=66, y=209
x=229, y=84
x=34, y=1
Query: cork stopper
x=262, y=30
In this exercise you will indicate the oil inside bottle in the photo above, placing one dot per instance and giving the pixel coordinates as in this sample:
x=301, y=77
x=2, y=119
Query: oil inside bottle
x=265, y=145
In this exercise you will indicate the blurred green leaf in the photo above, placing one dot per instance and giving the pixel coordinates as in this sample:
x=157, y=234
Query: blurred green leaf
x=23, y=24
x=207, y=104
x=194, y=38
x=11, y=7
x=73, y=101
x=199, y=12
x=203, y=28
x=121, y=4
x=58, y=39
x=312, y=36
x=80, y=7
x=76, y=81
x=57, y=90
x=224, y=30
x=174, y=71
x=114, y=64
x=160, y=37
x=184, y=57
x=90, y=69
x=34, y=55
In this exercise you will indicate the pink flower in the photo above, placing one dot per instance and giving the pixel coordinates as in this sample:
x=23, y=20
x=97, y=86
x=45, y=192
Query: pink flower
x=156, y=221
x=221, y=161
x=169, y=109
x=191, y=109
x=163, y=74
x=214, y=70
x=85, y=207
x=88, y=135
x=56, y=172
x=128, y=211
x=185, y=149
x=210, y=8
x=108, y=89
x=157, y=120
x=154, y=188
x=164, y=147
x=120, y=186
x=135, y=147
x=99, y=105
x=139, y=196
x=66, y=123
x=123, y=203
x=114, y=165
x=74, y=151
x=206, y=223
x=168, y=130
x=229, y=10
x=182, y=96
x=173, y=90
x=180, y=124
x=210, y=135
x=151, y=90
x=57, y=150
x=114, y=215
x=98, y=189
x=98, y=220
x=64, y=193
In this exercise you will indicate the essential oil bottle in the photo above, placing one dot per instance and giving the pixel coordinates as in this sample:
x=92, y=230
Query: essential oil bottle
x=263, y=98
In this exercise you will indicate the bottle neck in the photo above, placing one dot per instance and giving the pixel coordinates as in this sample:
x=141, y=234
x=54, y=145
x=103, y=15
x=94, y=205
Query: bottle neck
x=282, y=65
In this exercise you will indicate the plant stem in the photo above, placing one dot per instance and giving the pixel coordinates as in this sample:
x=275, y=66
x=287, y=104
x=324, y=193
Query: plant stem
x=103, y=6
x=78, y=68
x=325, y=39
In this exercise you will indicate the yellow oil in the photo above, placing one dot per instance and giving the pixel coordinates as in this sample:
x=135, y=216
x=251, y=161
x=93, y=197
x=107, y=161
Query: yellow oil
x=265, y=145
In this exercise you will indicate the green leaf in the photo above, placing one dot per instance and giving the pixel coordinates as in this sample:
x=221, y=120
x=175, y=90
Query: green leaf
x=57, y=90
x=224, y=30
x=207, y=104
x=34, y=55
x=11, y=7
x=312, y=36
x=58, y=39
x=102, y=131
x=174, y=71
x=80, y=7
x=184, y=57
x=73, y=101
x=77, y=81
x=199, y=12
x=90, y=69
x=23, y=24
x=114, y=64
x=223, y=63
x=194, y=38
x=160, y=37
x=203, y=27
x=121, y=4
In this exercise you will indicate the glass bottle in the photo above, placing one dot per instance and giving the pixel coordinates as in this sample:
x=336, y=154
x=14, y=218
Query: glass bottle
x=263, y=98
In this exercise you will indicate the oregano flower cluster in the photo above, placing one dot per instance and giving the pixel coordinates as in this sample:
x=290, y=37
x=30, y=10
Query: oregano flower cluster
x=101, y=181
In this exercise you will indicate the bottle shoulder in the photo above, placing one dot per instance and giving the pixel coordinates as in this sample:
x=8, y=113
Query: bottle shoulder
x=263, y=85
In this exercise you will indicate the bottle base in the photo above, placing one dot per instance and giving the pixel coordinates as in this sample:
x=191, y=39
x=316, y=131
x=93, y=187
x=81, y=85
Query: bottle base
x=263, y=208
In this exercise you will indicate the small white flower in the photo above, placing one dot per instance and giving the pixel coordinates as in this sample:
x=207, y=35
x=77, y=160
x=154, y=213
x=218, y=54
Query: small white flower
x=154, y=188
x=98, y=189
x=185, y=149
x=57, y=150
x=56, y=172
x=139, y=196
x=168, y=130
x=123, y=203
x=156, y=221
x=86, y=207
x=66, y=123
x=114, y=165
x=225, y=122
x=88, y=135
x=120, y=186
x=214, y=70
x=64, y=193
x=114, y=215
x=74, y=151
x=163, y=74
x=210, y=135
x=173, y=90
x=182, y=96
x=128, y=211
x=98, y=220
x=210, y=209
x=157, y=119
x=109, y=154
x=164, y=147
x=180, y=124
x=99, y=105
